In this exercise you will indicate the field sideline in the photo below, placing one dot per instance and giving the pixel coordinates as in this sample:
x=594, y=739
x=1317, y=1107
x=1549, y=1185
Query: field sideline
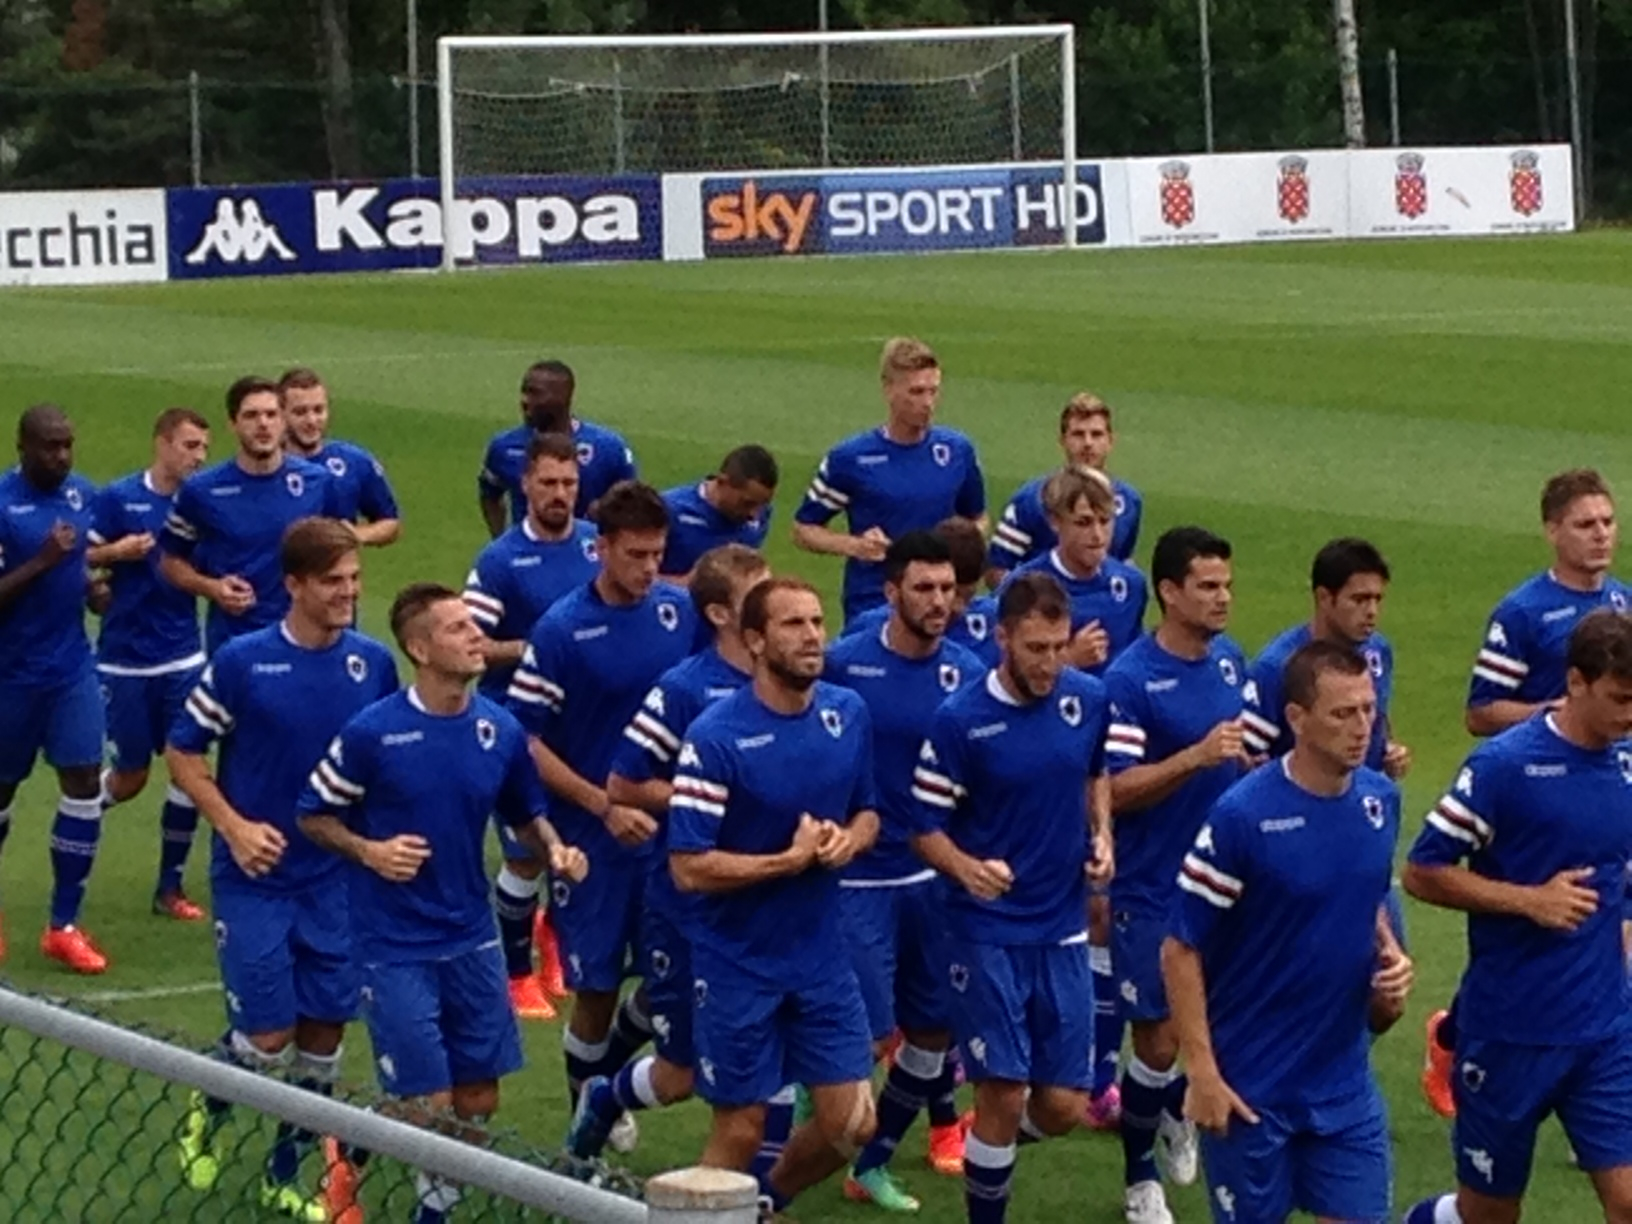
x=1416, y=392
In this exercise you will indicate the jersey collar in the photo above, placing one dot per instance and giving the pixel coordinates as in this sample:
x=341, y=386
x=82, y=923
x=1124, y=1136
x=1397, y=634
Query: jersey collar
x=994, y=686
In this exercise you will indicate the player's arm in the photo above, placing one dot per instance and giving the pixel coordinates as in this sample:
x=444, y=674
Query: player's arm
x=826, y=499
x=377, y=533
x=843, y=842
x=1499, y=671
x=1494, y=717
x=486, y=589
x=523, y=806
x=939, y=792
x=490, y=497
x=14, y=580
x=382, y=518
x=1137, y=784
x=1101, y=841
x=643, y=764
x=1392, y=981
x=702, y=789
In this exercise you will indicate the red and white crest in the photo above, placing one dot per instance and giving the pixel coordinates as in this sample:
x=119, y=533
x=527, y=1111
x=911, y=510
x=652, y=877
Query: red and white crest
x=1178, y=194
x=1524, y=182
x=1292, y=189
x=1410, y=185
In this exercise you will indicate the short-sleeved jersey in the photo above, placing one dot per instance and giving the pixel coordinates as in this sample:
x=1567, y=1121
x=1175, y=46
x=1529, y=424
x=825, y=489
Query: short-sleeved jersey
x=1010, y=781
x=1280, y=896
x=896, y=487
x=42, y=632
x=744, y=777
x=226, y=521
x=695, y=526
x=151, y=627
x=362, y=493
x=902, y=696
x=517, y=578
x=975, y=628
x=1267, y=731
x=274, y=706
x=1528, y=639
x=1526, y=805
x=1115, y=596
x=397, y=769
x=1024, y=532
x=586, y=668
x=1161, y=704
x=604, y=458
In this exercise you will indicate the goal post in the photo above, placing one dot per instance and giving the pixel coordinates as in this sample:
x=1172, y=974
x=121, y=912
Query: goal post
x=605, y=106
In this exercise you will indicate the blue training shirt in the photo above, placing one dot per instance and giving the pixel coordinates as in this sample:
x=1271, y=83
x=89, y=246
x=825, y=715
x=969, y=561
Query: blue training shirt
x=397, y=769
x=1024, y=533
x=604, y=458
x=1528, y=639
x=1526, y=805
x=151, y=627
x=1267, y=731
x=1010, y=781
x=1162, y=704
x=1280, y=896
x=897, y=487
x=362, y=493
x=42, y=632
x=274, y=706
x=1115, y=596
x=975, y=628
x=744, y=777
x=695, y=526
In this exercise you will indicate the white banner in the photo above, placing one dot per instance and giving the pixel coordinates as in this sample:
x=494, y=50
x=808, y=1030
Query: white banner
x=1397, y=193
x=83, y=237
x=1238, y=197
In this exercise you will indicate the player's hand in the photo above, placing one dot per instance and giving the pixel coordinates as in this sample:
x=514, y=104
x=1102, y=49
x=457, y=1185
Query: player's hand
x=233, y=595
x=1210, y=1103
x=987, y=879
x=1090, y=646
x=629, y=825
x=806, y=843
x=569, y=862
x=1102, y=866
x=58, y=544
x=1565, y=901
x=838, y=845
x=1396, y=974
x=130, y=548
x=98, y=596
x=871, y=545
x=1396, y=760
x=1225, y=742
x=257, y=848
x=398, y=858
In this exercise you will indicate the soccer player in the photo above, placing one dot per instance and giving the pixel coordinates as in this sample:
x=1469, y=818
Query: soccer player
x=906, y=476
x=888, y=900
x=973, y=621
x=1280, y=965
x=604, y=458
x=773, y=796
x=49, y=699
x=405, y=793
x=1175, y=745
x=1542, y=814
x=643, y=777
x=149, y=654
x=221, y=541
x=363, y=495
x=1014, y=811
x=588, y=663
x=274, y=699
x=1107, y=596
x=733, y=506
x=1349, y=579
x=1024, y=532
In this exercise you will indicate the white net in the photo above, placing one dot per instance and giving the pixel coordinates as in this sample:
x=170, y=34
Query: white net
x=598, y=106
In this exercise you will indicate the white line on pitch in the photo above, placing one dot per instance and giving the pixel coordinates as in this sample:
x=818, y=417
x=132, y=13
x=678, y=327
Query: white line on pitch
x=154, y=992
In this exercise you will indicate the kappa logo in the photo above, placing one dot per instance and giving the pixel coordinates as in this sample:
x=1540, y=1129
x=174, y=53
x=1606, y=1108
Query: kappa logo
x=239, y=234
x=295, y=483
x=356, y=668
x=1249, y=693
x=688, y=756
x=832, y=722
x=1464, y=782
x=1204, y=840
x=926, y=754
x=1496, y=635
x=941, y=453
x=750, y=218
x=1226, y=1201
x=1071, y=710
x=654, y=702
x=949, y=677
x=1373, y=807
x=486, y=734
x=1482, y=1163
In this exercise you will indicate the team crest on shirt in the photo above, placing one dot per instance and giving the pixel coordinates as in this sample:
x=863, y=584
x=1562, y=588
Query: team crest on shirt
x=486, y=734
x=941, y=453
x=356, y=668
x=1373, y=807
x=949, y=677
x=1374, y=662
x=588, y=545
x=1119, y=504
x=1226, y=668
x=975, y=622
x=1119, y=588
x=295, y=483
x=1623, y=757
x=560, y=893
x=832, y=722
x=74, y=500
x=960, y=978
x=1071, y=710
x=1617, y=599
x=668, y=616
x=335, y=464
x=586, y=452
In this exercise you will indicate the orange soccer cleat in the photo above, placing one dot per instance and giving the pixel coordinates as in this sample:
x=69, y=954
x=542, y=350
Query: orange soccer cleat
x=340, y=1178
x=550, y=976
x=946, y=1147
x=72, y=947
x=1437, y=1065
x=529, y=999
x=179, y=906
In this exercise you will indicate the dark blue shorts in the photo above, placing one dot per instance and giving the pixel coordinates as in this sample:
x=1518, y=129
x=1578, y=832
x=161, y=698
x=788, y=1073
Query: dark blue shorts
x=597, y=922
x=666, y=960
x=1024, y=1014
x=895, y=953
x=284, y=957
x=66, y=722
x=1136, y=955
x=141, y=710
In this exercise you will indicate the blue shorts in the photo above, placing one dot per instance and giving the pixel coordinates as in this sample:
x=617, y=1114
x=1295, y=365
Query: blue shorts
x=754, y=1037
x=1332, y=1161
x=285, y=957
x=666, y=959
x=892, y=933
x=1024, y=1014
x=441, y=1024
x=1504, y=1091
x=65, y=721
x=598, y=922
x=1136, y=955
x=141, y=710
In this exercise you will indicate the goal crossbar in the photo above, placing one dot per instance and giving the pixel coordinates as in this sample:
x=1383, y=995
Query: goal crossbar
x=808, y=38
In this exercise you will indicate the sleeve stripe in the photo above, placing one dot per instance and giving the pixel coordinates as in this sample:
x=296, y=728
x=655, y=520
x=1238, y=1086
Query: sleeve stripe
x=204, y=718
x=657, y=730
x=1128, y=731
x=1507, y=682
x=530, y=694
x=939, y=783
x=1215, y=879
x=679, y=800
x=1012, y=536
x=822, y=491
x=210, y=705
x=177, y=525
x=1194, y=886
x=644, y=742
x=1503, y=663
x=1004, y=544
x=483, y=616
x=834, y=506
x=337, y=780
x=1257, y=722
x=96, y=537
x=1451, y=829
x=327, y=795
x=1454, y=809
x=934, y=798
x=482, y=600
x=693, y=785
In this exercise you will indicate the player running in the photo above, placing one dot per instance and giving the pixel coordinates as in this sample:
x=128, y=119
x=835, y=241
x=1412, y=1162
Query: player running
x=1175, y=745
x=148, y=654
x=973, y=622
x=1014, y=811
x=1543, y=815
x=773, y=796
x=733, y=506
x=405, y=794
x=1279, y=967
x=1025, y=533
x=273, y=699
x=604, y=458
x=221, y=541
x=363, y=495
x=49, y=699
x=906, y=476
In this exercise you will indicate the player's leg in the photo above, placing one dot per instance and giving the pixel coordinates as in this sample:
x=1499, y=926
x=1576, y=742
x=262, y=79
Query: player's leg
x=178, y=817
x=1596, y=1111
x=989, y=998
x=1342, y=1161
x=515, y=903
x=75, y=725
x=1250, y=1173
x=1105, y=1102
x=1062, y=1050
x=740, y=1057
x=22, y=734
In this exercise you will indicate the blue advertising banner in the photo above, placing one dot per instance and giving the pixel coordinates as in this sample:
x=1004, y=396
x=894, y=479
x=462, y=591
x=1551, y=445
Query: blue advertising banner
x=397, y=223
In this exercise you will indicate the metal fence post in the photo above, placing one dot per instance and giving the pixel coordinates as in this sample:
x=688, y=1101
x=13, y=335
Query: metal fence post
x=195, y=128
x=1394, y=96
x=702, y=1196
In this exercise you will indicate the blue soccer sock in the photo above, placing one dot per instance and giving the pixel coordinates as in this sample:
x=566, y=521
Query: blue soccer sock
x=178, y=820
x=290, y=1145
x=943, y=1098
x=515, y=901
x=1145, y=1095
x=987, y=1174
x=906, y=1091
x=583, y=1059
x=74, y=834
x=1107, y=1020
x=631, y=1030
x=778, y=1126
x=1440, y=1210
